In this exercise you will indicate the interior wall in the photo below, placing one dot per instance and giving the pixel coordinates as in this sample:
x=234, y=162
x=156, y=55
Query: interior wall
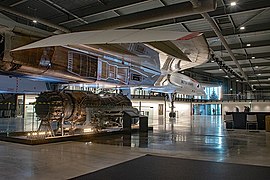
x=260, y=107
x=254, y=106
x=152, y=106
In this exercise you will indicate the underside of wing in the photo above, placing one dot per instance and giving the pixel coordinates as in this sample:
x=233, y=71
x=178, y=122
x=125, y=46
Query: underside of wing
x=185, y=46
x=107, y=37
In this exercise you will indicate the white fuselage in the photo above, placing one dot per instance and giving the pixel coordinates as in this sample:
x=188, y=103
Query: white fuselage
x=180, y=83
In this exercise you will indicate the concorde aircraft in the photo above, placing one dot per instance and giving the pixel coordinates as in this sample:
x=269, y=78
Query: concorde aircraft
x=142, y=58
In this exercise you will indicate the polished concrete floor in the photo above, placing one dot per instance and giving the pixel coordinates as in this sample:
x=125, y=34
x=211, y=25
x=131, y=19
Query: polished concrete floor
x=197, y=137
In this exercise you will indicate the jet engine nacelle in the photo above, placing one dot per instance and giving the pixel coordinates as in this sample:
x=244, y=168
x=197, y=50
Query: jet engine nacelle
x=72, y=106
x=177, y=82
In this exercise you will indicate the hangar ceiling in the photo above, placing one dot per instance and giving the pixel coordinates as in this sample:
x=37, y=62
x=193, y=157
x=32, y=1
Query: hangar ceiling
x=250, y=46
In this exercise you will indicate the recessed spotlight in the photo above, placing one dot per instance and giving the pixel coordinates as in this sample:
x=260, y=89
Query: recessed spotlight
x=256, y=67
x=253, y=57
x=34, y=21
x=248, y=45
x=231, y=89
x=226, y=76
x=259, y=74
x=233, y=3
x=212, y=61
x=242, y=27
x=220, y=69
x=237, y=80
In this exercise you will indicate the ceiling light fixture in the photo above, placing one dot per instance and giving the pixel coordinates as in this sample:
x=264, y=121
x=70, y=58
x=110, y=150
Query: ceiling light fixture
x=233, y=3
x=252, y=57
x=242, y=27
x=259, y=74
x=256, y=67
x=220, y=69
x=237, y=80
x=248, y=45
x=34, y=21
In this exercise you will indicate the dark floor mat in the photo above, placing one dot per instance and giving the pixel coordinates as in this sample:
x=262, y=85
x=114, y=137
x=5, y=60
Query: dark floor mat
x=166, y=168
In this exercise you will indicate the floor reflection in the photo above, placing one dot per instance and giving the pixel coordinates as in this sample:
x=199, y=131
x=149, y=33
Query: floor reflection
x=202, y=136
x=202, y=133
x=192, y=136
x=196, y=137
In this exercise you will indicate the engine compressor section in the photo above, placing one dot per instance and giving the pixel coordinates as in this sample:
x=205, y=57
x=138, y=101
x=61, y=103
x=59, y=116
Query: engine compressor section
x=70, y=112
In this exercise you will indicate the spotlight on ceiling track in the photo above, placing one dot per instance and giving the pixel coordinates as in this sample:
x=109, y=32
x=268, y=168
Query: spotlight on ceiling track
x=233, y=3
x=242, y=27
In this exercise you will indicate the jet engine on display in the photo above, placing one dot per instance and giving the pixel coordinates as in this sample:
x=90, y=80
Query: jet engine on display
x=81, y=112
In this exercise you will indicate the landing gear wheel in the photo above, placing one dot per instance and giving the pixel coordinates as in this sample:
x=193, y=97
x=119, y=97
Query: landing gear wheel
x=172, y=115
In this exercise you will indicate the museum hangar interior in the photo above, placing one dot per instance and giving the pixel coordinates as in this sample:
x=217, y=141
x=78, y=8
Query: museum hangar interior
x=149, y=89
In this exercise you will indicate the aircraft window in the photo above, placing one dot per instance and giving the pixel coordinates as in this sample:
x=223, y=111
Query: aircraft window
x=136, y=77
x=140, y=49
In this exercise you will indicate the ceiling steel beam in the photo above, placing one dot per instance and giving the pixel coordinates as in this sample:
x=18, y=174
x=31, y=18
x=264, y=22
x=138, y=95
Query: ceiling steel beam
x=58, y=7
x=225, y=44
x=262, y=78
x=25, y=16
x=233, y=66
x=244, y=57
x=247, y=72
x=261, y=82
x=18, y=3
x=251, y=30
x=220, y=11
x=241, y=43
x=87, y=12
x=157, y=14
x=263, y=89
x=252, y=18
x=239, y=46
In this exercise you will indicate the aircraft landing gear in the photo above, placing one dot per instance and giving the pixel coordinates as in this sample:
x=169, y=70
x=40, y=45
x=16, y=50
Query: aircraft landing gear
x=172, y=114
